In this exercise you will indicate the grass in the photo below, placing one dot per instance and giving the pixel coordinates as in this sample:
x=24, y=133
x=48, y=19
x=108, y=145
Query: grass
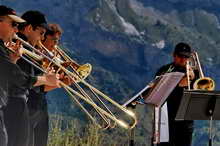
x=70, y=133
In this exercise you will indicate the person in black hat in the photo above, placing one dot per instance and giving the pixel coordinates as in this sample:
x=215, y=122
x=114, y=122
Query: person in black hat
x=33, y=32
x=180, y=132
x=8, y=20
x=14, y=83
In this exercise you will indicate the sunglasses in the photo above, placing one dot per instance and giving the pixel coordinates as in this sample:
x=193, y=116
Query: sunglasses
x=13, y=23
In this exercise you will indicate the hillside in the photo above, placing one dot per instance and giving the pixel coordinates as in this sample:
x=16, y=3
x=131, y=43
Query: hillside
x=126, y=41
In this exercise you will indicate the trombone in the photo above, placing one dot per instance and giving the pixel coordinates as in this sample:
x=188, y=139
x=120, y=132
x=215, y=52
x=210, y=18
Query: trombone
x=203, y=83
x=109, y=115
x=82, y=70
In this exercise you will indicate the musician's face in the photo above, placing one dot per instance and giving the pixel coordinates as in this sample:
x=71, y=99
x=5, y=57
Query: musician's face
x=180, y=60
x=36, y=34
x=51, y=41
x=8, y=28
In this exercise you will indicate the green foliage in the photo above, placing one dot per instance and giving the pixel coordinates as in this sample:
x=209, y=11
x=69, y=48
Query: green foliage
x=69, y=134
x=68, y=131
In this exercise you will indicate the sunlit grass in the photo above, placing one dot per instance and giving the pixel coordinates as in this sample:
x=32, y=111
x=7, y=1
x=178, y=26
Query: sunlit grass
x=71, y=134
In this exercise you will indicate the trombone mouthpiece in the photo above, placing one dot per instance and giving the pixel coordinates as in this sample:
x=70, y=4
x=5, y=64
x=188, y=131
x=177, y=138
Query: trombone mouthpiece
x=15, y=36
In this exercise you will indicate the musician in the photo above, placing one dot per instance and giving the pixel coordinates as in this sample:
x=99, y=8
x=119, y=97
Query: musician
x=14, y=83
x=180, y=132
x=41, y=129
x=38, y=105
x=6, y=23
x=33, y=31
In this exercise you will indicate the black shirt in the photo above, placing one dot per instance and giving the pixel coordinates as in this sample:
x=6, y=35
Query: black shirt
x=3, y=84
x=179, y=131
x=174, y=99
x=13, y=81
x=36, y=96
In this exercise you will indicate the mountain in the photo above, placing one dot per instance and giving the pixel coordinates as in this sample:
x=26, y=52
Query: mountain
x=126, y=41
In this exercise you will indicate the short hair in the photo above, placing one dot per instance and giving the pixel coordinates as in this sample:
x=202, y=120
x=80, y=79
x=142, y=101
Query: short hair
x=53, y=29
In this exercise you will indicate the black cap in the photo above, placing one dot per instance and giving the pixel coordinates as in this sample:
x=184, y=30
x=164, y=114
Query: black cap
x=6, y=11
x=35, y=18
x=183, y=50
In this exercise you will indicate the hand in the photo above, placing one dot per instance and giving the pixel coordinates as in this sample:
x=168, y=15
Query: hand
x=16, y=50
x=191, y=74
x=183, y=82
x=52, y=80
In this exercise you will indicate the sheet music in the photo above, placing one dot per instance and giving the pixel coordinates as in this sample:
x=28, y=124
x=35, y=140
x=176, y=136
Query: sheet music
x=164, y=86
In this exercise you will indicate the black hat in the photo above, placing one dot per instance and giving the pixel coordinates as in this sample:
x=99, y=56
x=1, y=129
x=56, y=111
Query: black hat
x=183, y=50
x=6, y=11
x=35, y=18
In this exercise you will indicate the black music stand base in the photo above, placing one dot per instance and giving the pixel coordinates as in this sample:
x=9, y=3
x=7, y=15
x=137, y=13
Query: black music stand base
x=210, y=112
x=210, y=128
x=210, y=133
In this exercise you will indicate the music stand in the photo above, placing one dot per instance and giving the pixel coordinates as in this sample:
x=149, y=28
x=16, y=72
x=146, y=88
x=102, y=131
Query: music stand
x=157, y=94
x=200, y=105
x=160, y=89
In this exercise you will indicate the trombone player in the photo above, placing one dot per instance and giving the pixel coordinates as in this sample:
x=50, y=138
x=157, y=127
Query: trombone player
x=15, y=83
x=33, y=31
x=40, y=130
x=179, y=132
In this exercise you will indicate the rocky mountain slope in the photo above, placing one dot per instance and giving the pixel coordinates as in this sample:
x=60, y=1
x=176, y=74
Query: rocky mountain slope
x=126, y=41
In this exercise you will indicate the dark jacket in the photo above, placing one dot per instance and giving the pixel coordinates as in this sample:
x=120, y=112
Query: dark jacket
x=36, y=95
x=13, y=81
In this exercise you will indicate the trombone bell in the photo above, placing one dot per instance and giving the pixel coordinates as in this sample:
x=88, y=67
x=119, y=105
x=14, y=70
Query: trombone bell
x=83, y=71
x=205, y=83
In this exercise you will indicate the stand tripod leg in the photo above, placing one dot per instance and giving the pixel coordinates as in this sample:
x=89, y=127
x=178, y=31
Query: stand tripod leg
x=210, y=131
x=210, y=112
x=132, y=133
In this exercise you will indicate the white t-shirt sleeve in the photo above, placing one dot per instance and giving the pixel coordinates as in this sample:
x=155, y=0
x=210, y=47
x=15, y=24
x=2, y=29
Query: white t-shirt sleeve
x=164, y=124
